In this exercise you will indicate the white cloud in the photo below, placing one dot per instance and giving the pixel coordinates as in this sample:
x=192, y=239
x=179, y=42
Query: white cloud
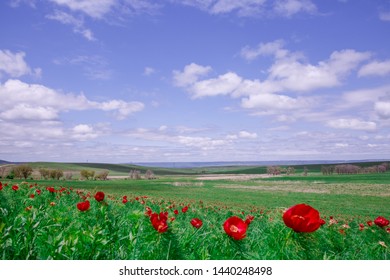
x=271, y=48
x=385, y=16
x=382, y=108
x=288, y=8
x=95, y=9
x=223, y=84
x=190, y=74
x=76, y=23
x=268, y=101
x=149, y=71
x=375, y=68
x=247, y=135
x=83, y=132
x=352, y=123
x=16, y=94
x=14, y=65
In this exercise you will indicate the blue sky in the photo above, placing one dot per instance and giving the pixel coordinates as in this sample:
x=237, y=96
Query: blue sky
x=194, y=80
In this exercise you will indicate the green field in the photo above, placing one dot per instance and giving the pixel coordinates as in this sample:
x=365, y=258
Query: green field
x=350, y=199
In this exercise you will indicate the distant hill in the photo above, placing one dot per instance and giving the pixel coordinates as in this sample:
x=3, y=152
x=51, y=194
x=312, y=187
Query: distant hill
x=4, y=162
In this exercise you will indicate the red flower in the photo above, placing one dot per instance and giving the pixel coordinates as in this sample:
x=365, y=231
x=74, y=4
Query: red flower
x=196, y=223
x=381, y=221
x=124, y=200
x=235, y=227
x=99, y=196
x=249, y=219
x=38, y=192
x=1, y=186
x=51, y=189
x=159, y=221
x=369, y=223
x=148, y=211
x=388, y=229
x=32, y=195
x=302, y=218
x=361, y=226
x=83, y=206
x=15, y=187
x=184, y=209
x=176, y=212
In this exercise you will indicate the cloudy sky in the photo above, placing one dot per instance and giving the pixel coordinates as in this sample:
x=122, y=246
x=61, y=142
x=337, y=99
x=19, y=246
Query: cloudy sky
x=194, y=80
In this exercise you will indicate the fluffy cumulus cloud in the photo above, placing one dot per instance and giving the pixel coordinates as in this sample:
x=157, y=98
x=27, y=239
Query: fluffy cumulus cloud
x=14, y=65
x=382, y=108
x=21, y=99
x=352, y=123
x=375, y=68
x=95, y=9
x=290, y=7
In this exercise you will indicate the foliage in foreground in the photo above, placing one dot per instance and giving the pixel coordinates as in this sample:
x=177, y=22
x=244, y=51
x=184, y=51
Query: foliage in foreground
x=39, y=222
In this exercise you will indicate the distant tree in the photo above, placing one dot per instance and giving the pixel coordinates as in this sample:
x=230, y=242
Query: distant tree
x=22, y=171
x=305, y=171
x=68, y=175
x=45, y=173
x=135, y=174
x=87, y=174
x=56, y=174
x=149, y=174
x=102, y=175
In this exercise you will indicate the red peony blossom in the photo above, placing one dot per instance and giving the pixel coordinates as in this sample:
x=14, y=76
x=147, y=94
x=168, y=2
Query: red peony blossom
x=381, y=221
x=159, y=221
x=235, y=227
x=184, y=209
x=83, y=206
x=15, y=187
x=302, y=218
x=196, y=223
x=99, y=196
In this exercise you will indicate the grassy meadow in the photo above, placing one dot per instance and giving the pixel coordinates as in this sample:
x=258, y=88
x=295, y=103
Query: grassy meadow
x=40, y=219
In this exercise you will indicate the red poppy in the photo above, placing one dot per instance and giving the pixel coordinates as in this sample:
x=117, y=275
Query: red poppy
x=184, y=209
x=32, y=195
x=1, y=186
x=51, y=189
x=176, y=212
x=361, y=226
x=381, y=221
x=235, y=227
x=369, y=223
x=148, y=211
x=99, y=196
x=38, y=192
x=124, y=200
x=196, y=223
x=159, y=221
x=388, y=229
x=302, y=218
x=249, y=219
x=15, y=187
x=83, y=206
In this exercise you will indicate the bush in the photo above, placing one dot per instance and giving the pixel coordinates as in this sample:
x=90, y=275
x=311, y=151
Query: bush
x=87, y=174
x=22, y=171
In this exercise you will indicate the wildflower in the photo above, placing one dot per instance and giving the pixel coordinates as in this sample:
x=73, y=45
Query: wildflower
x=196, y=223
x=176, y=212
x=159, y=221
x=29, y=208
x=369, y=223
x=83, y=206
x=388, y=230
x=15, y=187
x=52, y=203
x=99, y=196
x=361, y=226
x=249, y=219
x=235, y=227
x=302, y=218
x=184, y=209
x=381, y=221
x=124, y=199
x=148, y=211
x=51, y=189
x=38, y=192
x=32, y=195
